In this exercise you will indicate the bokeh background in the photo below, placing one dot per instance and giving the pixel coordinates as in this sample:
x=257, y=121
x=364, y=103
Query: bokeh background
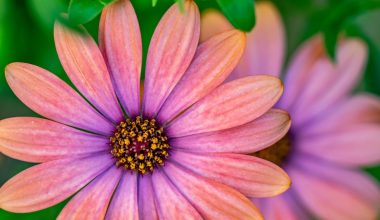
x=26, y=35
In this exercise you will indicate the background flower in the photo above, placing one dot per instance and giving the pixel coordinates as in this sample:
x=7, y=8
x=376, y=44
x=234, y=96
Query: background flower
x=332, y=134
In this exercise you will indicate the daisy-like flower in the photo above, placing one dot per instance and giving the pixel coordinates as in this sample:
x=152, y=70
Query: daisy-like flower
x=180, y=151
x=333, y=133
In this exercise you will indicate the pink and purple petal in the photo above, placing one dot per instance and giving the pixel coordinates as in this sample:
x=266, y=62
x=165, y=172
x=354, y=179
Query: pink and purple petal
x=358, y=109
x=85, y=66
x=92, y=201
x=218, y=110
x=252, y=176
x=248, y=138
x=171, y=51
x=171, y=204
x=40, y=140
x=124, y=204
x=355, y=146
x=336, y=85
x=50, y=183
x=356, y=196
x=212, y=63
x=147, y=201
x=212, y=200
x=50, y=97
x=119, y=35
x=283, y=207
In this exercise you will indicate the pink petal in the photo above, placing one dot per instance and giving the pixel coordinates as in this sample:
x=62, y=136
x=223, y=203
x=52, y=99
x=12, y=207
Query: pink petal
x=283, y=207
x=147, y=206
x=335, y=84
x=212, y=23
x=265, y=44
x=40, y=140
x=230, y=105
x=299, y=70
x=248, y=138
x=333, y=81
x=121, y=38
x=50, y=97
x=252, y=176
x=85, y=66
x=355, y=146
x=47, y=184
x=358, y=109
x=170, y=202
x=171, y=50
x=212, y=63
x=213, y=200
x=93, y=200
x=124, y=203
x=335, y=193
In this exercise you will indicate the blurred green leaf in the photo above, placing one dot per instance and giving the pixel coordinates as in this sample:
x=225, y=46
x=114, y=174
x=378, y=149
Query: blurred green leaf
x=83, y=11
x=154, y=3
x=341, y=17
x=240, y=13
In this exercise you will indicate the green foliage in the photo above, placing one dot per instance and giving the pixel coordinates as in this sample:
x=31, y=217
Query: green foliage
x=341, y=17
x=240, y=13
x=83, y=11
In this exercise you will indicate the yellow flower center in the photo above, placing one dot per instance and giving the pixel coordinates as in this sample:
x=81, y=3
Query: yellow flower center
x=139, y=145
x=277, y=153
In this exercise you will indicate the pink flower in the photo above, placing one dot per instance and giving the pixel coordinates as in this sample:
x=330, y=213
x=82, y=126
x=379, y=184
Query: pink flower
x=333, y=133
x=179, y=154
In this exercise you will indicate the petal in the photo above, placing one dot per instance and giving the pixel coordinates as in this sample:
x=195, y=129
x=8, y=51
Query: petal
x=248, y=138
x=124, y=203
x=230, y=105
x=252, y=176
x=335, y=84
x=333, y=81
x=40, y=140
x=85, y=66
x=47, y=184
x=321, y=185
x=147, y=206
x=170, y=202
x=212, y=63
x=358, y=109
x=123, y=51
x=299, y=70
x=171, y=50
x=213, y=200
x=93, y=200
x=50, y=97
x=265, y=49
x=283, y=207
x=212, y=23
x=356, y=146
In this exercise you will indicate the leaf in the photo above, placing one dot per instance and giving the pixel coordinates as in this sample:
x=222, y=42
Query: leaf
x=83, y=11
x=154, y=3
x=240, y=13
x=340, y=18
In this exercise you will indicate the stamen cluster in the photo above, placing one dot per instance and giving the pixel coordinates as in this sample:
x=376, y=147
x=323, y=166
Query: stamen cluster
x=139, y=145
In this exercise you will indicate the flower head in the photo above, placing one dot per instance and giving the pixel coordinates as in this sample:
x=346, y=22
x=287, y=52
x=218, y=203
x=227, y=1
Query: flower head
x=178, y=153
x=332, y=131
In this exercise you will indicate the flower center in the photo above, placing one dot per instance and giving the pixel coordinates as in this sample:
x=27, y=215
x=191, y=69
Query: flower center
x=139, y=145
x=277, y=153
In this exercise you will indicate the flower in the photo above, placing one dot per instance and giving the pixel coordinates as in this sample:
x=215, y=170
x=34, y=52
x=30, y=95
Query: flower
x=180, y=152
x=333, y=133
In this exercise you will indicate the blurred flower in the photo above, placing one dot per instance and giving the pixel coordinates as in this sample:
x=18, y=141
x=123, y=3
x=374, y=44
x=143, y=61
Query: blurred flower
x=333, y=133
x=157, y=162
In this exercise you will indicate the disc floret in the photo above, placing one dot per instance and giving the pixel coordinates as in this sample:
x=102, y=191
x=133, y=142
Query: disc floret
x=139, y=145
